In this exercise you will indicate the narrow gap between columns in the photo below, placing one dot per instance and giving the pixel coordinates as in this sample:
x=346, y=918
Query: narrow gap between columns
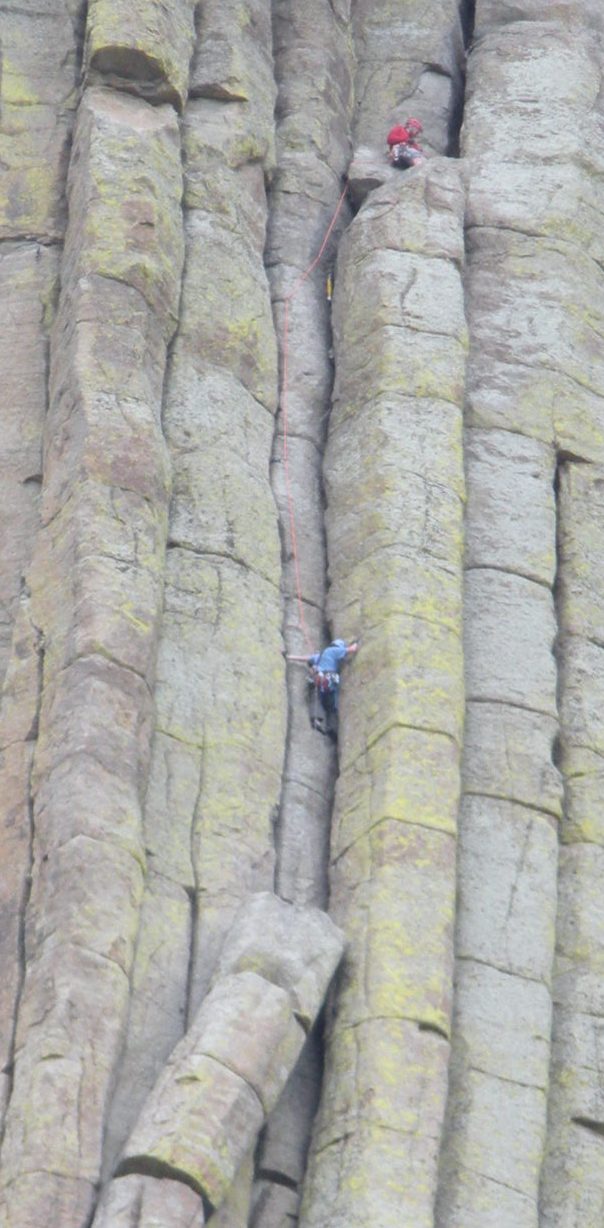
x=467, y=17
x=561, y=461
x=31, y=739
x=278, y=1183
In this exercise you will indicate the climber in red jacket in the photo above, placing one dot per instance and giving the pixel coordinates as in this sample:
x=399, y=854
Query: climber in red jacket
x=403, y=150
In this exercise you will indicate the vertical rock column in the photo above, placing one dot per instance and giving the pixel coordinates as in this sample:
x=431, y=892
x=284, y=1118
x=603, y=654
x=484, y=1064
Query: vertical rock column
x=313, y=72
x=40, y=57
x=217, y=754
x=85, y=646
x=223, y=530
x=394, y=486
x=572, y=1187
x=313, y=69
x=531, y=384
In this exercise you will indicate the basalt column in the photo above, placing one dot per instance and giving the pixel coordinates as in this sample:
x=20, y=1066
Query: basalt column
x=534, y=397
x=313, y=71
x=572, y=1187
x=217, y=754
x=40, y=55
x=394, y=488
x=80, y=677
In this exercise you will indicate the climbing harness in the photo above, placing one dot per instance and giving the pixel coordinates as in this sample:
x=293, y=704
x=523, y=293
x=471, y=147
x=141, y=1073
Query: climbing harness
x=289, y=298
x=324, y=680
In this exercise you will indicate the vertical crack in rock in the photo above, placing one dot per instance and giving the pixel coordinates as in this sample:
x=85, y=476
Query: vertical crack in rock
x=394, y=541
x=125, y=855
x=412, y=58
x=304, y=196
x=313, y=73
x=467, y=16
x=14, y=982
x=534, y=388
x=575, y=1098
x=395, y=487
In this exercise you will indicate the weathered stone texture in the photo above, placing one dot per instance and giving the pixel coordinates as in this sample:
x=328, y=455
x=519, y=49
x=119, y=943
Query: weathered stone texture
x=95, y=588
x=292, y=946
x=144, y=46
x=149, y=1202
x=576, y=1105
x=223, y=531
x=201, y=1119
x=393, y=851
x=38, y=97
x=217, y=752
x=534, y=303
x=40, y=62
x=152, y=781
x=408, y=57
x=313, y=69
x=28, y=285
x=233, y=63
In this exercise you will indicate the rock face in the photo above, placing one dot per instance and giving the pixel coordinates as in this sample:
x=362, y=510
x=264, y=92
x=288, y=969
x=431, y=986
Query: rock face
x=261, y=389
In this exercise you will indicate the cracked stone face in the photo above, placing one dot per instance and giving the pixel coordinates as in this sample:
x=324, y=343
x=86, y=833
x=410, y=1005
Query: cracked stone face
x=261, y=389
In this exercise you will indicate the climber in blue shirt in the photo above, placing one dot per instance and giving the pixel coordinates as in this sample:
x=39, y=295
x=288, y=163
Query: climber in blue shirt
x=324, y=677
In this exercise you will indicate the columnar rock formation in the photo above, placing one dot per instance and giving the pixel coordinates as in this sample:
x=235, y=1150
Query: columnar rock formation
x=206, y=465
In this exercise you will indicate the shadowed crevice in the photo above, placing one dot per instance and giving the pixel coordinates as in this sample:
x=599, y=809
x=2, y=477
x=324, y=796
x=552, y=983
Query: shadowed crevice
x=148, y=1166
x=9, y=1069
x=467, y=14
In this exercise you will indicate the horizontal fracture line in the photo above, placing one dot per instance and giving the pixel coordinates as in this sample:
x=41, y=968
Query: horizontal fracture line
x=491, y=1074
x=510, y=703
x=404, y=823
x=485, y=963
x=512, y=801
x=509, y=571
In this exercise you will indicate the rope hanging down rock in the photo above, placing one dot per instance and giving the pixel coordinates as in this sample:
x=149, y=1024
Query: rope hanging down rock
x=284, y=411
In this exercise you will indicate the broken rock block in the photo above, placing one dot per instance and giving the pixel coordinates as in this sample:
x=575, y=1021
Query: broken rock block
x=294, y=947
x=140, y=1201
x=144, y=47
x=203, y=1115
x=368, y=170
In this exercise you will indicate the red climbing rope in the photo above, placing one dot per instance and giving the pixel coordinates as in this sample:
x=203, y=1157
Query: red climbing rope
x=284, y=410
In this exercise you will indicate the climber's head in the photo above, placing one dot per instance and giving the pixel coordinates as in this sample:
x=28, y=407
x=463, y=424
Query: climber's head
x=414, y=126
x=397, y=135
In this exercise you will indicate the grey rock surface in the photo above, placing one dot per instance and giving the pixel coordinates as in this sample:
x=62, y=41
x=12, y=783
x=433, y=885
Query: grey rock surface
x=260, y=389
x=225, y=1076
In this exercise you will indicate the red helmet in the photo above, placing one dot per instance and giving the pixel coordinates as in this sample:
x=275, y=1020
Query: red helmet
x=414, y=126
x=397, y=135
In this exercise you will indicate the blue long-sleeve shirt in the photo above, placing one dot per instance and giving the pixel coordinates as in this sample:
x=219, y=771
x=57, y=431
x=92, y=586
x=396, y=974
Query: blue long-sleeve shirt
x=329, y=659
